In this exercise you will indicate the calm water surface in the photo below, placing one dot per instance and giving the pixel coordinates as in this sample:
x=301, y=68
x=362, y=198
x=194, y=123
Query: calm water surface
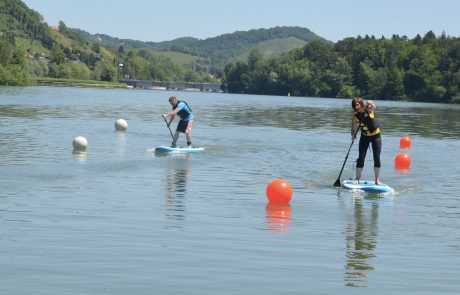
x=121, y=220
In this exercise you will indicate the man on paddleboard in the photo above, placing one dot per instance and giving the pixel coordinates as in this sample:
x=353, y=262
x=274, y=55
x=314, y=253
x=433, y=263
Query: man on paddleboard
x=363, y=116
x=182, y=109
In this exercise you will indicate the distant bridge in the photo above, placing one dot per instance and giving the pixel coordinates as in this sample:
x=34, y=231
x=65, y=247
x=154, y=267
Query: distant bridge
x=169, y=85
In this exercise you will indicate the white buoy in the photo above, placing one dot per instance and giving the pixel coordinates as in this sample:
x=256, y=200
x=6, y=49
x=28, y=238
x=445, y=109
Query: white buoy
x=80, y=143
x=121, y=125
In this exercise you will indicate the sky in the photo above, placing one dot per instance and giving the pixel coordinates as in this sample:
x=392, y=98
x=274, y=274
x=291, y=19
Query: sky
x=334, y=20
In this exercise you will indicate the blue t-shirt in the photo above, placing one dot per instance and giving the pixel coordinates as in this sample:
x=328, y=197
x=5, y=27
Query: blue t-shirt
x=181, y=105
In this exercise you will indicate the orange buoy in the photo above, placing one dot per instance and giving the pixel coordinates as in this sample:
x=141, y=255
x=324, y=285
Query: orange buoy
x=405, y=142
x=279, y=191
x=402, y=161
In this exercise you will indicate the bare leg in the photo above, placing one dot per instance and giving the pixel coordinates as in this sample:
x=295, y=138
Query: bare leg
x=176, y=136
x=358, y=173
x=377, y=175
x=189, y=139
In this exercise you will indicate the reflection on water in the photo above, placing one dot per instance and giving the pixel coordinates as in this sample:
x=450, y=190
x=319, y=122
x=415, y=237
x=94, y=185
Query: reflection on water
x=437, y=122
x=361, y=234
x=80, y=156
x=18, y=111
x=278, y=217
x=176, y=190
x=402, y=171
x=122, y=140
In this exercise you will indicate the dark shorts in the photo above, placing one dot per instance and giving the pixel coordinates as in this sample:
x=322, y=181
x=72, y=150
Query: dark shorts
x=184, y=126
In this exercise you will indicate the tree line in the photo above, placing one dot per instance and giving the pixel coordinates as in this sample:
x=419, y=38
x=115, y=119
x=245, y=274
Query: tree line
x=420, y=69
x=30, y=49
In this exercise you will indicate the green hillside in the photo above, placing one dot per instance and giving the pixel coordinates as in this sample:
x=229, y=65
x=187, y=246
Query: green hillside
x=275, y=47
x=224, y=48
x=31, y=51
x=228, y=47
x=178, y=57
x=17, y=20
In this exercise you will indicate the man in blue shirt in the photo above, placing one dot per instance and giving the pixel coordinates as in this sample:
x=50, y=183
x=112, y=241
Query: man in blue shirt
x=182, y=109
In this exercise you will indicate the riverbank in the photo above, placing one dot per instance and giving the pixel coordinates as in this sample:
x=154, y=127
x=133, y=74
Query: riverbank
x=44, y=81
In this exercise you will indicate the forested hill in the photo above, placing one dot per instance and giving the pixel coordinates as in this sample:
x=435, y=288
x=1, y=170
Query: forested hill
x=231, y=46
x=31, y=50
x=275, y=61
x=17, y=20
x=420, y=69
x=223, y=48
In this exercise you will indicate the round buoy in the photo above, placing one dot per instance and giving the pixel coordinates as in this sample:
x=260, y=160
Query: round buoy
x=279, y=191
x=402, y=161
x=405, y=142
x=121, y=125
x=80, y=143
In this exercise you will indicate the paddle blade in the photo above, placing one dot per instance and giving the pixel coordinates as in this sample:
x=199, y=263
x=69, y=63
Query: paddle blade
x=337, y=182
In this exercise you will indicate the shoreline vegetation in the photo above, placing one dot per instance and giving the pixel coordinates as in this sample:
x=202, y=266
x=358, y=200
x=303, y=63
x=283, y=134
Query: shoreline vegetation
x=422, y=69
x=46, y=81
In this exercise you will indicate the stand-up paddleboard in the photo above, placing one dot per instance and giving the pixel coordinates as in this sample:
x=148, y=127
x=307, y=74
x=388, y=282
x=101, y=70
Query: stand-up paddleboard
x=178, y=150
x=367, y=186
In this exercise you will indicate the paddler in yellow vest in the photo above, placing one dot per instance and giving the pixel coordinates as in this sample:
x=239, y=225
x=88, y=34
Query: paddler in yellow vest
x=363, y=115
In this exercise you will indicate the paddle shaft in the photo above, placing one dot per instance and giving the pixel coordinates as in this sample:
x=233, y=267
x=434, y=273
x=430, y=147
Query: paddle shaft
x=337, y=182
x=167, y=124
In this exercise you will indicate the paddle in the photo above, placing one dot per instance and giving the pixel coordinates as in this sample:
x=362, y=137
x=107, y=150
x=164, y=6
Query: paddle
x=337, y=182
x=167, y=124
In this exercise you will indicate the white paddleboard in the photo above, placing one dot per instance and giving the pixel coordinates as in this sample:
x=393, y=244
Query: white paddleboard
x=367, y=186
x=178, y=150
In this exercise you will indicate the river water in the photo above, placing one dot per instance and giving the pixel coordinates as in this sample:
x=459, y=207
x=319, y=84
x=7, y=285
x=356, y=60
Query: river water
x=119, y=219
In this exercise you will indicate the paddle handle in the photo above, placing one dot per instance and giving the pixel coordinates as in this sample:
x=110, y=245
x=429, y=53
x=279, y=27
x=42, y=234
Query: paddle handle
x=167, y=124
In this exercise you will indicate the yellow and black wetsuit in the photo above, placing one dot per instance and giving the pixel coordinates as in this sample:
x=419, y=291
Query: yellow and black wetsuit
x=370, y=134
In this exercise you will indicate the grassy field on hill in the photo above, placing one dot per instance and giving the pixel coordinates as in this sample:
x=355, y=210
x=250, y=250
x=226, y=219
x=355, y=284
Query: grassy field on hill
x=275, y=47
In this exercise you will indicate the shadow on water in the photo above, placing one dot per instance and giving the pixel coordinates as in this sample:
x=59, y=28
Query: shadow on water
x=430, y=122
x=360, y=240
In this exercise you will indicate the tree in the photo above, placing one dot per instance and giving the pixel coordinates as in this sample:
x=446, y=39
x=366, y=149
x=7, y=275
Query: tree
x=58, y=56
x=236, y=77
x=62, y=27
x=105, y=71
x=121, y=50
x=6, y=52
x=254, y=58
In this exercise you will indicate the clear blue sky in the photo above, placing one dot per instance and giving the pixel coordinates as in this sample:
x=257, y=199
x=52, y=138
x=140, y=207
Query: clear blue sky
x=163, y=20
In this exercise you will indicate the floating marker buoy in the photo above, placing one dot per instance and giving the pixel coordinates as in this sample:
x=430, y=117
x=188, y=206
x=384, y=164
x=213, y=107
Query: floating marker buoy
x=279, y=191
x=402, y=161
x=405, y=142
x=121, y=125
x=80, y=143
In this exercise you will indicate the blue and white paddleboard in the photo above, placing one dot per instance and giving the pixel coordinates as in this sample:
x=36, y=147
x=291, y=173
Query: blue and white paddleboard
x=367, y=186
x=178, y=150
